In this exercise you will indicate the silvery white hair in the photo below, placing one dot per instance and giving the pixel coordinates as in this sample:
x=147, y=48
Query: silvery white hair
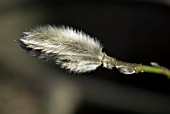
x=71, y=49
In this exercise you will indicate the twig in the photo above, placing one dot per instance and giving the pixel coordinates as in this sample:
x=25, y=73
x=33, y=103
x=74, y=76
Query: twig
x=153, y=69
x=130, y=68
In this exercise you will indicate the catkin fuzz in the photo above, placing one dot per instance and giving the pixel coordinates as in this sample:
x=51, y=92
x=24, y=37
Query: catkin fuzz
x=71, y=49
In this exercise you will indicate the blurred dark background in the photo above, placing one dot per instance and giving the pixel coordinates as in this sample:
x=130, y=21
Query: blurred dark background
x=131, y=30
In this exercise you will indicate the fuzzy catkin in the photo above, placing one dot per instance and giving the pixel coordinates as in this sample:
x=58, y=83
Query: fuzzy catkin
x=72, y=49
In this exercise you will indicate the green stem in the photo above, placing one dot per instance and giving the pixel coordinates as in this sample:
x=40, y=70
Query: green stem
x=152, y=69
x=130, y=68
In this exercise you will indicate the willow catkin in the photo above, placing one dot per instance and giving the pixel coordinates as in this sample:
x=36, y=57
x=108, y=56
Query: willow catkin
x=72, y=49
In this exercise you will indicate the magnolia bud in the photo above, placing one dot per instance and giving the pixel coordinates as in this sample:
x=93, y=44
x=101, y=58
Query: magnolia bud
x=72, y=49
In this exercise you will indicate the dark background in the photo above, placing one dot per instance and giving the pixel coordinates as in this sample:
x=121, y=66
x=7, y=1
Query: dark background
x=130, y=30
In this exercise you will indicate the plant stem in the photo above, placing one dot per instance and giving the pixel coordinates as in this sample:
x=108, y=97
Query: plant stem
x=130, y=68
x=153, y=69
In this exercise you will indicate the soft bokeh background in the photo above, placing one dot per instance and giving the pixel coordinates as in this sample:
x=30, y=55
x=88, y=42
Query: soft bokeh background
x=134, y=31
